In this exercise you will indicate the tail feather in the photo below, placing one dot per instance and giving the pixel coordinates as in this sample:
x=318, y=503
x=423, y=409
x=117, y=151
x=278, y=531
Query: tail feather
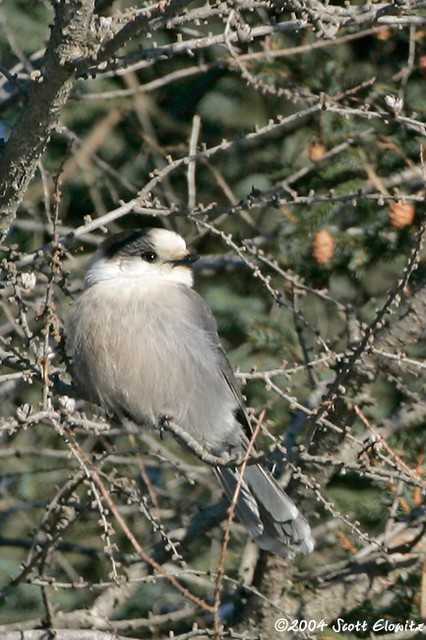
x=271, y=518
x=246, y=507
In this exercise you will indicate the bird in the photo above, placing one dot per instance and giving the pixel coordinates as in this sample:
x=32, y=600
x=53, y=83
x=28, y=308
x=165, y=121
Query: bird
x=144, y=346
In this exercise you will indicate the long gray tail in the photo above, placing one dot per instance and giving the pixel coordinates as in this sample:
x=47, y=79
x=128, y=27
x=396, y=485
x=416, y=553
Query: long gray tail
x=271, y=518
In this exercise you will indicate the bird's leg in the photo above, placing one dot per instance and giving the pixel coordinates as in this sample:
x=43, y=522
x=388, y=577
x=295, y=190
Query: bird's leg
x=163, y=423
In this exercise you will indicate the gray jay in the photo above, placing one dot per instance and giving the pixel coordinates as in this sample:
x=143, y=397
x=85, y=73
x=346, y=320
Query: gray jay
x=145, y=346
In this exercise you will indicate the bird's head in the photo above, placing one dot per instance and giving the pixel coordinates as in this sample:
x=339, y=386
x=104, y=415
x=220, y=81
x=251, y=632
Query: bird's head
x=142, y=254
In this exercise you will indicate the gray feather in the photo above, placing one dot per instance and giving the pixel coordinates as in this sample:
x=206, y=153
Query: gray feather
x=148, y=350
x=270, y=516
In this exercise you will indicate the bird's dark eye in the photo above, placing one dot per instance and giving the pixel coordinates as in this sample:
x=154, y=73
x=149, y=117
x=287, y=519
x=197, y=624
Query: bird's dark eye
x=149, y=256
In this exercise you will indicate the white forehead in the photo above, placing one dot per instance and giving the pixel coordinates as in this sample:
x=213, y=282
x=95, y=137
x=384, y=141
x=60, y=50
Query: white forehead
x=167, y=242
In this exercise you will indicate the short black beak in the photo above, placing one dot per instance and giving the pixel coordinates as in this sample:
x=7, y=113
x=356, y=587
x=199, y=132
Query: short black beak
x=186, y=261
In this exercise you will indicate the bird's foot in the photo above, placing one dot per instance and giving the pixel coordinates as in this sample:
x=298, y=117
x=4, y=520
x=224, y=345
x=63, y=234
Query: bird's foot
x=163, y=423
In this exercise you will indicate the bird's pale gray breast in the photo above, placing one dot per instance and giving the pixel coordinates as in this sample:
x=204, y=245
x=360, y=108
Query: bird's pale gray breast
x=154, y=352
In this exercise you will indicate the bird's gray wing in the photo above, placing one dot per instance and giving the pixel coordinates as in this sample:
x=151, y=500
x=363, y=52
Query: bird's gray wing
x=207, y=321
x=269, y=515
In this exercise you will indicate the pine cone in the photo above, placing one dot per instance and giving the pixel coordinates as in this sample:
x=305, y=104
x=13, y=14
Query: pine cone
x=323, y=246
x=316, y=151
x=401, y=214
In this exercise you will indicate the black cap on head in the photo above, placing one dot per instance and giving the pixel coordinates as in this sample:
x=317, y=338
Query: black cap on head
x=128, y=243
